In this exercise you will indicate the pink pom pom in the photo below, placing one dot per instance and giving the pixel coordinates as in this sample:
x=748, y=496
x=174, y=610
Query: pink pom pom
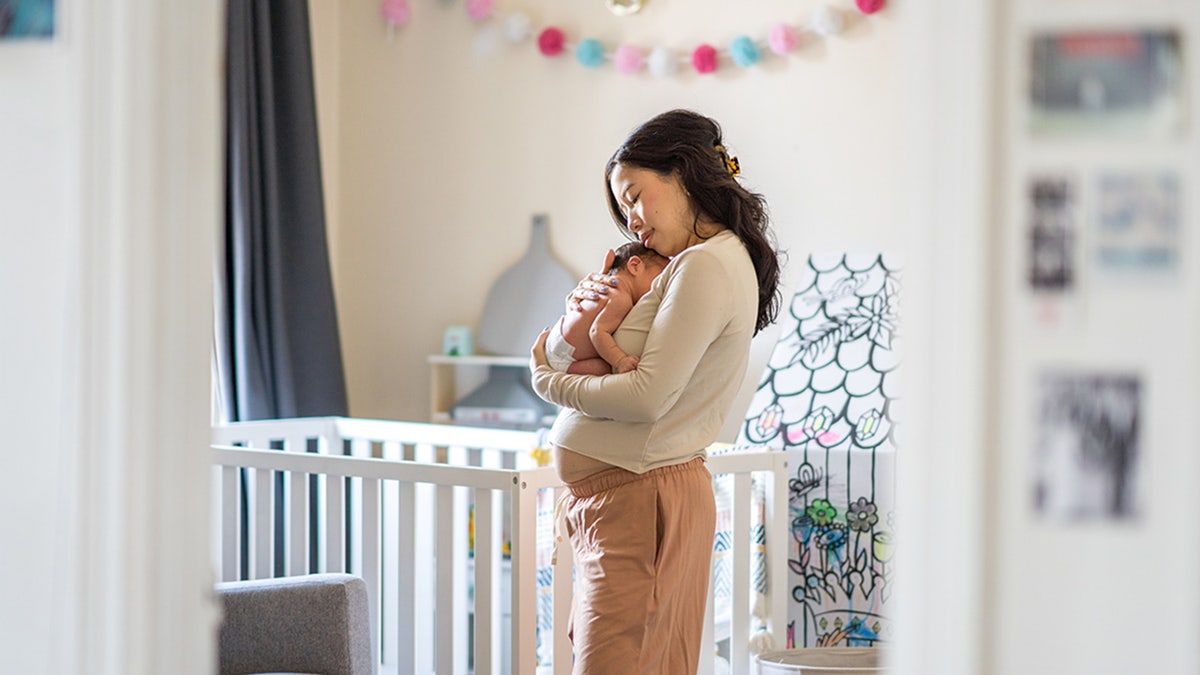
x=628, y=59
x=782, y=39
x=395, y=12
x=704, y=59
x=550, y=42
x=479, y=10
x=869, y=6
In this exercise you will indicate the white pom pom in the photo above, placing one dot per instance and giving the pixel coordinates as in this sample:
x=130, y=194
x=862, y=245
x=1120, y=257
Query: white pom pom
x=517, y=27
x=721, y=666
x=661, y=62
x=486, y=39
x=762, y=641
x=826, y=21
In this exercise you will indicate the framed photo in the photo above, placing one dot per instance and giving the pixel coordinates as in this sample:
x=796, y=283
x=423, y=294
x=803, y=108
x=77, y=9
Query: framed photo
x=1137, y=230
x=26, y=19
x=1088, y=431
x=1053, y=215
x=1093, y=82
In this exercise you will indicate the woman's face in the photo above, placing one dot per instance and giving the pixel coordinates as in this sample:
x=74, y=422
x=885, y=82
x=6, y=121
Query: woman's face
x=656, y=209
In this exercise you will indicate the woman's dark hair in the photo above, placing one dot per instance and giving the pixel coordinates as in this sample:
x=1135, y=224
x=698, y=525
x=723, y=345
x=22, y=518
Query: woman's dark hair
x=688, y=145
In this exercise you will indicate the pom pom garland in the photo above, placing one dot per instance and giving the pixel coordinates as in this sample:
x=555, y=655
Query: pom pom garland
x=550, y=42
x=661, y=61
x=627, y=59
x=479, y=10
x=517, y=27
x=782, y=39
x=590, y=53
x=704, y=59
x=744, y=52
x=395, y=12
x=826, y=21
x=869, y=6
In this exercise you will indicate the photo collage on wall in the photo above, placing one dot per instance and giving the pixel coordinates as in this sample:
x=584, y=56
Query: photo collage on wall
x=1096, y=222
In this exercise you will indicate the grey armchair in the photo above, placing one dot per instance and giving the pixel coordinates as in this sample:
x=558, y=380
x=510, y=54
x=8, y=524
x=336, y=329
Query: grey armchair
x=318, y=623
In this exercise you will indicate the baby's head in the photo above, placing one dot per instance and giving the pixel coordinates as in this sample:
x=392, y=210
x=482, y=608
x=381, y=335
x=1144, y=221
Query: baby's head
x=637, y=266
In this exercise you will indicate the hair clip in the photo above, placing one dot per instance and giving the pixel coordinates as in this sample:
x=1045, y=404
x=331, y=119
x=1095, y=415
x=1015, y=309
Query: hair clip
x=731, y=163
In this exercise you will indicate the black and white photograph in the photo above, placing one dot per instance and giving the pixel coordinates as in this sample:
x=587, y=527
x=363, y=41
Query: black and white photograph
x=1101, y=82
x=1052, y=233
x=1087, y=446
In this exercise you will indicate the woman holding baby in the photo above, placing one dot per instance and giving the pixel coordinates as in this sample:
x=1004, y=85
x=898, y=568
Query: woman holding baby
x=630, y=447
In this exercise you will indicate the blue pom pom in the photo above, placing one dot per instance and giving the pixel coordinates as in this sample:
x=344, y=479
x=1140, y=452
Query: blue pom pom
x=590, y=53
x=744, y=52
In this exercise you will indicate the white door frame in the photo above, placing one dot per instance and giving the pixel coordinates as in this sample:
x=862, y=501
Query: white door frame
x=150, y=130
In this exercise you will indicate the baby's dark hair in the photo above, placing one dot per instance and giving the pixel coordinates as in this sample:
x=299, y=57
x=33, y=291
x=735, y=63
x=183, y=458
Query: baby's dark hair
x=634, y=248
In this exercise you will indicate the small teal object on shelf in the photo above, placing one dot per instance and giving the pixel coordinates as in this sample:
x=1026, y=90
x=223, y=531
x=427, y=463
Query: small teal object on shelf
x=457, y=341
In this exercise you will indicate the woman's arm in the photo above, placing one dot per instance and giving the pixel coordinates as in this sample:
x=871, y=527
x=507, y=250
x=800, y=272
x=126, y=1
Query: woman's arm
x=695, y=310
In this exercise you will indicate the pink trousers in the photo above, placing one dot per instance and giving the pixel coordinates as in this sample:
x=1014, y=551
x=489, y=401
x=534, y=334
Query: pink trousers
x=643, y=556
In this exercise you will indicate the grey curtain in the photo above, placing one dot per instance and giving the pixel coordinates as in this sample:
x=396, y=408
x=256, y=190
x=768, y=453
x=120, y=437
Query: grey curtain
x=278, y=353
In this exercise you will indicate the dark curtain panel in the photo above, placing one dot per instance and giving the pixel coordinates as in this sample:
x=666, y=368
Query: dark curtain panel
x=278, y=352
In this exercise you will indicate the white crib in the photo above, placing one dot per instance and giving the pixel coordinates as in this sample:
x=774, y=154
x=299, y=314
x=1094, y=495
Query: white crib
x=424, y=513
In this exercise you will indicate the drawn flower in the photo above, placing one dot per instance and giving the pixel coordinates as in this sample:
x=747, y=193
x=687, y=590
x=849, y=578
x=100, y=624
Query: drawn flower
x=802, y=528
x=821, y=511
x=861, y=515
x=833, y=540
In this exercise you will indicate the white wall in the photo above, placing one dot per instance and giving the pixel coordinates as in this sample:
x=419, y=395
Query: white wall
x=38, y=191
x=443, y=156
x=1098, y=594
x=109, y=139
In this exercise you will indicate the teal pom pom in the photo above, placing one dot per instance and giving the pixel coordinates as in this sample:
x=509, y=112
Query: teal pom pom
x=744, y=52
x=590, y=53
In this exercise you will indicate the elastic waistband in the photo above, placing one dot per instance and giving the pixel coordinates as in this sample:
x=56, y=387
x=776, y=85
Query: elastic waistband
x=616, y=477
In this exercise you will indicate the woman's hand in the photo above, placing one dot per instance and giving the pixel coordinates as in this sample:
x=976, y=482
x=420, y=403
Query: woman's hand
x=537, y=354
x=594, y=285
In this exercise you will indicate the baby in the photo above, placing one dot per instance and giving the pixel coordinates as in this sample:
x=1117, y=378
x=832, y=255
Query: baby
x=581, y=342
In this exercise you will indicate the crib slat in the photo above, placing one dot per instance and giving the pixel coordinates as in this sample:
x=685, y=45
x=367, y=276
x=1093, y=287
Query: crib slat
x=390, y=531
x=524, y=576
x=739, y=641
x=230, y=485
x=335, y=524
x=563, y=654
x=777, y=548
x=370, y=555
x=414, y=626
x=451, y=575
x=358, y=448
x=487, y=569
x=297, y=498
x=261, y=535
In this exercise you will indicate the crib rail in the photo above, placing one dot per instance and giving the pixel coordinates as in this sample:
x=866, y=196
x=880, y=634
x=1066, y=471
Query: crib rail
x=393, y=501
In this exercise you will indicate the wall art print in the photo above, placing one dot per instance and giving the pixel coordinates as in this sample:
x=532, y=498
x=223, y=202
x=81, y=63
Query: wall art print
x=829, y=397
x=26, y=18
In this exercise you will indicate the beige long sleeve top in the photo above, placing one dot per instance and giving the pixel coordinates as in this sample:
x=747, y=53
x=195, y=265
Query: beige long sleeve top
x=692, y=333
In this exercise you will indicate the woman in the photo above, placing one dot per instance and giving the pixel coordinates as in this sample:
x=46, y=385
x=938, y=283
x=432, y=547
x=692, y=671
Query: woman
x=630, y=447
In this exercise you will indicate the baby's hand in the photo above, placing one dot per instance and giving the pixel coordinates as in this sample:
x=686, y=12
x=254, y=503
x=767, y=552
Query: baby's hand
x=630, y=362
